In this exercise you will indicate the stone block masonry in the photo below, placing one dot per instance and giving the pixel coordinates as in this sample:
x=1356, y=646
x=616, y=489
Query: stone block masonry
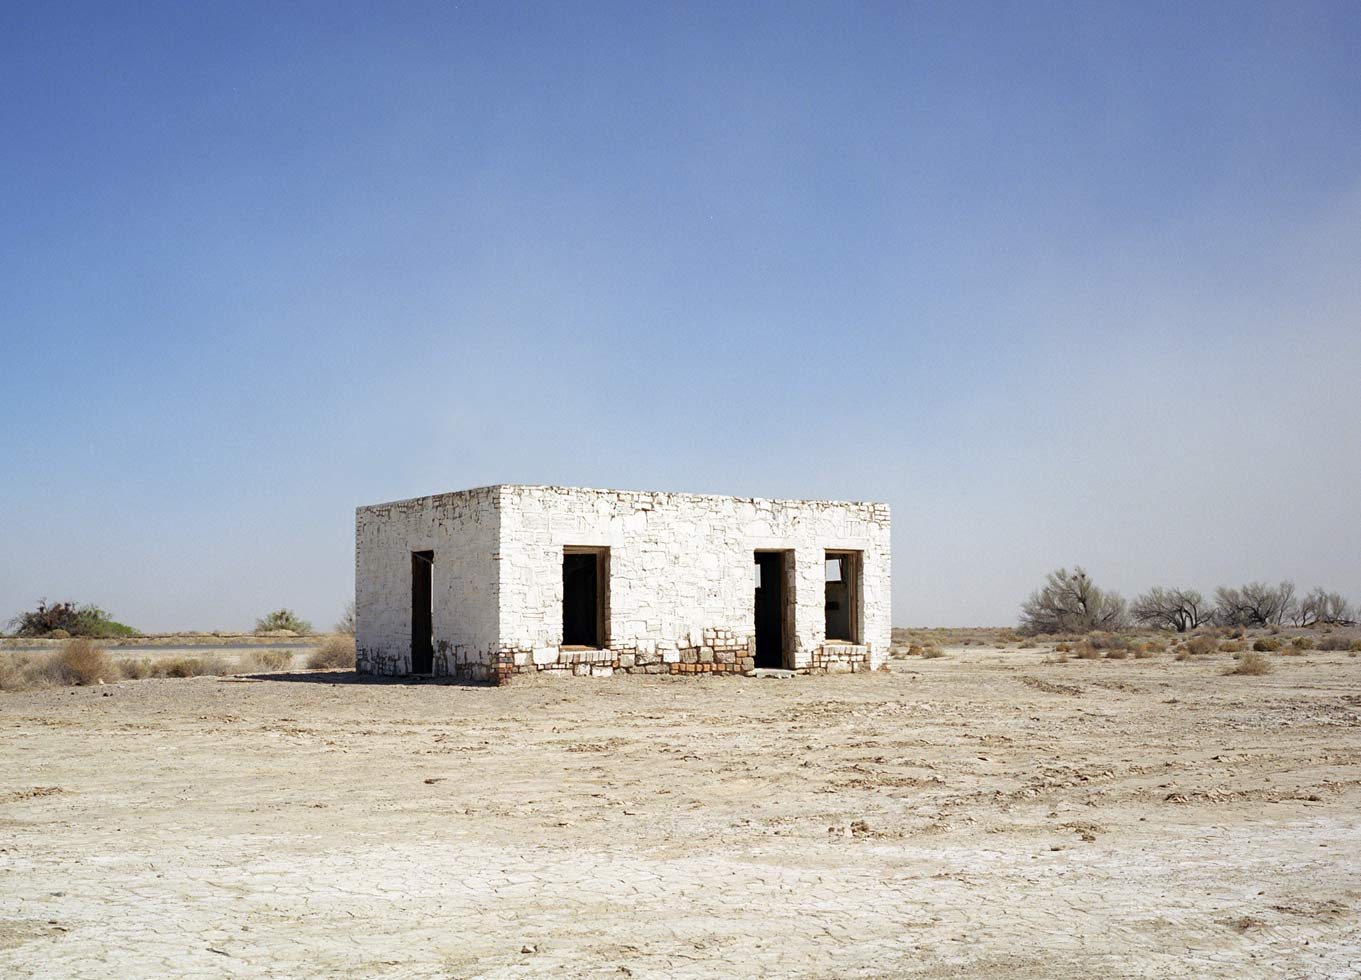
x=587, y=583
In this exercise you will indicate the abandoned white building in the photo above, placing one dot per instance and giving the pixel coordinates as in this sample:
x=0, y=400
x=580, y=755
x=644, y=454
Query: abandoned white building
x=482, y=584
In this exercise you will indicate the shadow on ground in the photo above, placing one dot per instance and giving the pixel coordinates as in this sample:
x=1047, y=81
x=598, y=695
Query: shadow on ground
x=350, y=677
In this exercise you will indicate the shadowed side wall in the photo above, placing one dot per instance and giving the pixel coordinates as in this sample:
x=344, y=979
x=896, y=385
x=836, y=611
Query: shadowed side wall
x=462, y=529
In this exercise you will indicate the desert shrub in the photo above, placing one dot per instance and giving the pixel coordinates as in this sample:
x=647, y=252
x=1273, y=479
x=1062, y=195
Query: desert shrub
x=1230, y=646
x=1266, y=644
x=11, y=672
x=282, y=619
x=1085, y=651
x=1200, y=644
x=267, y=660
x=1303, y=643
x=79, y=662
x=1109, y=641
x=82, y=661
x=338, y=651
x=136, y=670
x=1117, y=653
x=1144, y=651
x=1251, y=663
x=59, y=634
x=1154, y=646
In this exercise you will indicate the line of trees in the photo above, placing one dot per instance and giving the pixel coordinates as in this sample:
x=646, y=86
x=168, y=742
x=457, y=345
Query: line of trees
x=1070, y=602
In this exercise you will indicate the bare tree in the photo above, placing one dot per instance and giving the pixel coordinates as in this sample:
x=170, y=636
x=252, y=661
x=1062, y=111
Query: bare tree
x=1071, y=603
x=346, y=623
x=1172, y=609
x=1255, y=604
x=1320, y=606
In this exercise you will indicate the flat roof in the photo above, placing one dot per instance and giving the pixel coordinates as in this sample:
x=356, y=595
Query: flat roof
x=627, y=493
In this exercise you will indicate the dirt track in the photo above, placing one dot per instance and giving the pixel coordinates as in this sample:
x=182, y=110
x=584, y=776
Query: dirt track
x=979, y=815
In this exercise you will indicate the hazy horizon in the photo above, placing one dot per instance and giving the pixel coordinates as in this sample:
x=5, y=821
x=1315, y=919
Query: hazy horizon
x=1061, y=284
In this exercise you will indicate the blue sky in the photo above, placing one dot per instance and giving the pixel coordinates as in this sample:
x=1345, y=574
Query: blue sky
x=1062, y=283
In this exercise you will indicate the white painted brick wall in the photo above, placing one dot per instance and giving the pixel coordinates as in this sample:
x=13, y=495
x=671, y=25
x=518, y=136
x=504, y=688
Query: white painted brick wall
x=680, y=564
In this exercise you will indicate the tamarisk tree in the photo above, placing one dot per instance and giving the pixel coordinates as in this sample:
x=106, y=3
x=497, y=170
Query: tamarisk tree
x=1072, y=603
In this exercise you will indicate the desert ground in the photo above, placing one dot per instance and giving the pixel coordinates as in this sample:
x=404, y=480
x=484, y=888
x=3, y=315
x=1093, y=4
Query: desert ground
x=985, y=813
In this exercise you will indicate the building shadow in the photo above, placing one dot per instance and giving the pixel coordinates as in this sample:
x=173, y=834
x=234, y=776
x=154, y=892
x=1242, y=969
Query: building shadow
x=351, y=677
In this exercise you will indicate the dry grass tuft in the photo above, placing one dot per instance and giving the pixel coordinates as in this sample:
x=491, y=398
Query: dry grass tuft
x=267, y=660
x=1266, y=644
x=11, y=672
x=193, y=667
x=1252, y=664
x=1231, y=646
x=338, y=651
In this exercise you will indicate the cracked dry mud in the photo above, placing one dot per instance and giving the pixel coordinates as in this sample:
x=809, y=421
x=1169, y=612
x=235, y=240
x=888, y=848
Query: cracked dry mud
x=984, y=814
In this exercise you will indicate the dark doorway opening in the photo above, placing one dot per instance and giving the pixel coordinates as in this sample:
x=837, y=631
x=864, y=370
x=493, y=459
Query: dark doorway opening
x=770, y=609
x=422, y=612
x=585, y=595
x=842, y=596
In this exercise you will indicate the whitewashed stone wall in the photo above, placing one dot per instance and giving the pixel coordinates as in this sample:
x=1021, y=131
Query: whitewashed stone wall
x=681, y=579
x=462, y=530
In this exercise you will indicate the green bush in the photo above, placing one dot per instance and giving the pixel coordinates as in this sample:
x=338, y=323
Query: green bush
x=282, y=619
x=61, y=620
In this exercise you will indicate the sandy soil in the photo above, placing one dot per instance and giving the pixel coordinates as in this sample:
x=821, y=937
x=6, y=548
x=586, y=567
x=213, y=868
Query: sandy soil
x=983, y=814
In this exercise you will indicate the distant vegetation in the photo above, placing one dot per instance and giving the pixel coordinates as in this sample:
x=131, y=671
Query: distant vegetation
x=81, y=661
x=1072, y=603
x=66, y=619
x=283, y=619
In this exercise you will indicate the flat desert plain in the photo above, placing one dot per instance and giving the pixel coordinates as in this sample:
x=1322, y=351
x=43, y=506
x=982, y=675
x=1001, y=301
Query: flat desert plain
x=983, y=814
